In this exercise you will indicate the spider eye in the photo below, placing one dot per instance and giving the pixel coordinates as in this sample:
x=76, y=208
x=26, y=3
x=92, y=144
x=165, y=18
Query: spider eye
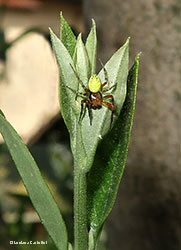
x=94, y=84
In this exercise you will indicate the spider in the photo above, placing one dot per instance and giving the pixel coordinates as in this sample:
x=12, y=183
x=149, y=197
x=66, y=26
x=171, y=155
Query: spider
x=95, y=95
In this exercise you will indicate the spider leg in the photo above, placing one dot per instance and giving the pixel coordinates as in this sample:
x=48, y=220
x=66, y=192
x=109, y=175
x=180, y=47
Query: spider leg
x=88, y=105
x=105, y=72
x=79, y=80
x=109, y=97
x=77, y=92
x=110, y=105
x=103, y=84
x=107, y=89
x=90, y=112
x=106, y=79
x=82, y=108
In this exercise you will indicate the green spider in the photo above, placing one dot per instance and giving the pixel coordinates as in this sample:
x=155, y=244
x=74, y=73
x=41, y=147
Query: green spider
x=95, y=95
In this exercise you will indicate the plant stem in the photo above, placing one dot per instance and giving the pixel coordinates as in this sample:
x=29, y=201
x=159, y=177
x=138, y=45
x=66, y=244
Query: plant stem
x=80, y=209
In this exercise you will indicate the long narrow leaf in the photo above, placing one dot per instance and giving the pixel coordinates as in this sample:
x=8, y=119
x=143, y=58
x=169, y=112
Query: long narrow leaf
x=67, y=36
x=117, y=69
x=82, y=62
x=91, y=46
x=67, y=79
x=105, y=175
x=37, y=188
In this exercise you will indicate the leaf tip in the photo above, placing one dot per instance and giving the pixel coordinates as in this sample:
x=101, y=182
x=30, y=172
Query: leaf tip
x=79, y=36
x=62, y=19
x=138, y=58
x=51, y=34
x=127, y=41
x=138, y=55
x=51, y=31
x=93, y=23
x=1, y=113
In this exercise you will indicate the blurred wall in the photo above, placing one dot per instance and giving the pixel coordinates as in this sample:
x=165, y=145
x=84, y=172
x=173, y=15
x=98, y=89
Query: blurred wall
x=29, y=86
x=147, y=213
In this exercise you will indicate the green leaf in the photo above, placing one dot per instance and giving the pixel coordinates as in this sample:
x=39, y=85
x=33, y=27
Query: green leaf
x=38, y=190
x=105, y=175
x=117, y=69
x=1, y=113
x=67, y=36
x=82, y=62
x=68, y=106
x=91, y=46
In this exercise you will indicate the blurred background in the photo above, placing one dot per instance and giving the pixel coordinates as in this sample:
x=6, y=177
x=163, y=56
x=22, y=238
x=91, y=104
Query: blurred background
x=147, y=213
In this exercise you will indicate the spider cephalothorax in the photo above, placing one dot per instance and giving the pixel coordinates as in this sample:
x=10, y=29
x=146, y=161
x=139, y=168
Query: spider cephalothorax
x=95, y=95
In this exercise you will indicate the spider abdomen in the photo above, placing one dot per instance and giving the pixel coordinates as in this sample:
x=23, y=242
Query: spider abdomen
x=96, y=100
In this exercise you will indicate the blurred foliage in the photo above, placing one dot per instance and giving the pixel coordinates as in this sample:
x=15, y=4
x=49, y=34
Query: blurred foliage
x=18, y=230
x=53, y=155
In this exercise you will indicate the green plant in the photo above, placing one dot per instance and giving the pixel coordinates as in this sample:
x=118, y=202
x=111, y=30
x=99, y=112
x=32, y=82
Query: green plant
x=99, y=152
